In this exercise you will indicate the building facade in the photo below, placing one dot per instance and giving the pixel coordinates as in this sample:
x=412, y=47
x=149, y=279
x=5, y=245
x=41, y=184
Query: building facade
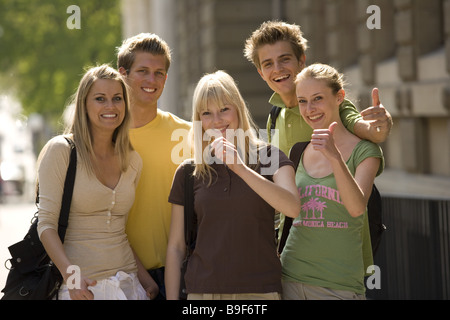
x=402, y=47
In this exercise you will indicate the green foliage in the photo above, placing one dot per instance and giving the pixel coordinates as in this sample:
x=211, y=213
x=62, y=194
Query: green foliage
x=42, y=60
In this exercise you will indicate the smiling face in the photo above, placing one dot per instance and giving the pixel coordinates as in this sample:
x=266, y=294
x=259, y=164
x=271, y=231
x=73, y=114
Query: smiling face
x=318, y=105
x=105, y=105
x=279, y=67
x=146, y=78
x=219, y=117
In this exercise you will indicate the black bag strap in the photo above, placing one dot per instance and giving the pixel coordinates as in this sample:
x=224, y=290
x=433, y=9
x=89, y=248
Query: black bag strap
x=375, y=216
x=189, y=214
x=68, y=191
x=294, y=155
x=274, y=112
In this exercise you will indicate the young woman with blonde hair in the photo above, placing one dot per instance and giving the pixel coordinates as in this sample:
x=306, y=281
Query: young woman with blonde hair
x=323, y=256
x=235, y=253
x=108, y=170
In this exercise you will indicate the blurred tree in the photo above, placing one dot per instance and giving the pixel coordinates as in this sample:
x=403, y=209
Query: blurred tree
x=42, y=59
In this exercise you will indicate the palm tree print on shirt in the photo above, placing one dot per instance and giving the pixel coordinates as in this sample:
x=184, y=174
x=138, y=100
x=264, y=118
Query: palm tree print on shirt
x=314, y=205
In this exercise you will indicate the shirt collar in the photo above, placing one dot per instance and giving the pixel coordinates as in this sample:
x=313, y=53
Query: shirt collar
x=276, y=100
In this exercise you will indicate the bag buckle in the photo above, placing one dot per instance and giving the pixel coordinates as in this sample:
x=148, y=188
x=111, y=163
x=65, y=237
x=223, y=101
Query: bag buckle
x=24, y=292
x=35, y=216
x=8, y=268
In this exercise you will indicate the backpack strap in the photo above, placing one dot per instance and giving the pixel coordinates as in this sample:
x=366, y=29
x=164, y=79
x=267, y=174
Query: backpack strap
x=189, y=214
x=294, y=155
x=273, y=115
x=375, y=216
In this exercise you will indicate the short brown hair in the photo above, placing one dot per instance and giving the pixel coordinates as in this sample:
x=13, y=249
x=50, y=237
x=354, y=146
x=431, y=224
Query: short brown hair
x=145, y=42
x=273, y=31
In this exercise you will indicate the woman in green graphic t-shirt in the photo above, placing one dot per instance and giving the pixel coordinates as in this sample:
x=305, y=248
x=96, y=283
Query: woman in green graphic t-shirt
x=323, y=257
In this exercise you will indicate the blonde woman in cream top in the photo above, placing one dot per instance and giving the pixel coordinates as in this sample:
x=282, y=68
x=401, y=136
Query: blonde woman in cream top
x=108, y=170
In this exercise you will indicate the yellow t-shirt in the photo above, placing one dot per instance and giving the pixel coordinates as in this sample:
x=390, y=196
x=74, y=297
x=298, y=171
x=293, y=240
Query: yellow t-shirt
x=149, y=219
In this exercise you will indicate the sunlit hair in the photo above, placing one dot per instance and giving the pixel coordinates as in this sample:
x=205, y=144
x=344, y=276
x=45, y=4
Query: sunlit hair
x=143, y=42
x=271, y=32
x=318, y=71
x=80, y=124
x=220, y=88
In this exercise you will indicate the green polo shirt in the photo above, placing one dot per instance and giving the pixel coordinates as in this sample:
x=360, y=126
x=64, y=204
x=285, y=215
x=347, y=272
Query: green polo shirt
x=291, y=127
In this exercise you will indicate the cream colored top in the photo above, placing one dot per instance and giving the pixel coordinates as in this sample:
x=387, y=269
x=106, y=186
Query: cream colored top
x=95, y=238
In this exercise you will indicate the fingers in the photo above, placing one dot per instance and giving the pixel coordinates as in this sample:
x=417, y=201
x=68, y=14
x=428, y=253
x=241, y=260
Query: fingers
x=321, y=137
x=219, y=147
x=91, y=283
x=226, y=152
x=378, y=118
x=83, y=293
x=375, y=97
x=88, y=294
x=325, y=132
x=332, y=126
x=377, y=115
x=151, y=293
x=376, y=109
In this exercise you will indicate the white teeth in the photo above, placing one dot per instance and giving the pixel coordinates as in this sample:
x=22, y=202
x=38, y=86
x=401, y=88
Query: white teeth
x=282, y=77
x=109, y=115
x=149, y=90
x=315, y=117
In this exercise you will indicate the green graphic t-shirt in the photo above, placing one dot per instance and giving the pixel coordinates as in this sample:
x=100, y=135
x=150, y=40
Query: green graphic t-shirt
x=324, y=247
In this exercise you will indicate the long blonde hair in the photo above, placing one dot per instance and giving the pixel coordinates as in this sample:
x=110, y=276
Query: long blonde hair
x=79, y=126
x=220, y=87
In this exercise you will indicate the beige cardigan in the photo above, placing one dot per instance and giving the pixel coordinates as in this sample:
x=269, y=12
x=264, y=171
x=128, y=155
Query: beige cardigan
x=95, y=238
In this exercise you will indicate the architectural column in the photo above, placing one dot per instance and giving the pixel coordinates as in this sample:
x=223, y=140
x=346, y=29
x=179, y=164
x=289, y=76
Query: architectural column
x=446, y=6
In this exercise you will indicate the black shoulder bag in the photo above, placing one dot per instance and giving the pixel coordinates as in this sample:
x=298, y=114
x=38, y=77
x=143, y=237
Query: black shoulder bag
x=32, y=275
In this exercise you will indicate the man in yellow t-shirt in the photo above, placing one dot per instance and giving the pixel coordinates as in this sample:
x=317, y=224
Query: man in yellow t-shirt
x=144, y=61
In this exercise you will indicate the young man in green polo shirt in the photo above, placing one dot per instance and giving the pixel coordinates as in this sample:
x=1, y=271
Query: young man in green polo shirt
x=277, y=49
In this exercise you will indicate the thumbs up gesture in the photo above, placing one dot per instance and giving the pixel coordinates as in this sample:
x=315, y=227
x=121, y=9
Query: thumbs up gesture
x=379, y=119
x=322, y=140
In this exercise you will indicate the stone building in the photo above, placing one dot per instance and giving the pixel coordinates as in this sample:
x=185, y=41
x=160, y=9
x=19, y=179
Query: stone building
x=402, y=47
